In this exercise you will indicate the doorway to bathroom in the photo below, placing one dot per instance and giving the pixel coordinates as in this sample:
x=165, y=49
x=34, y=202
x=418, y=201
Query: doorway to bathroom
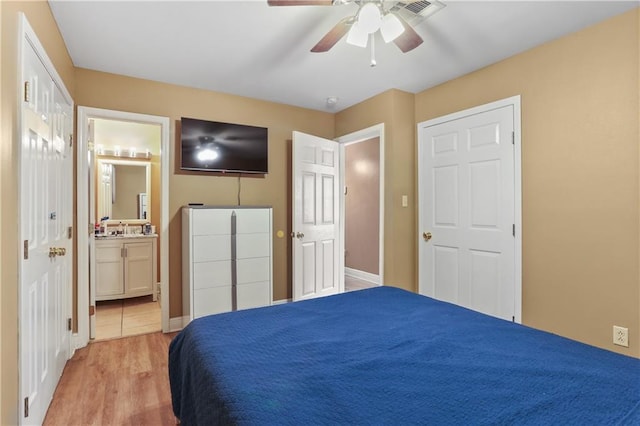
x=124, y=266
x=123, y=197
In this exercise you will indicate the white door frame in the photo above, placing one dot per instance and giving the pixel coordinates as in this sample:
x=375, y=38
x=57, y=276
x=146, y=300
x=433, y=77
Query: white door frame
x=513, y=101
x=83, y=220
x=375, y=131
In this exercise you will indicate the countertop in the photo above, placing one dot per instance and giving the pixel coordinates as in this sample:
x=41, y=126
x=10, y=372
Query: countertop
x=124, y=236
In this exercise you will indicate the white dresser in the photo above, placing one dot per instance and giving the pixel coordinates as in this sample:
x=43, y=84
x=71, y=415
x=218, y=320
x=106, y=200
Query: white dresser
x=226, y=259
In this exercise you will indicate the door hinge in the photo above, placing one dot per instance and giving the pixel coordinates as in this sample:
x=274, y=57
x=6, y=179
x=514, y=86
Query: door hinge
x=69, y=324
x=26, y=407
x=26, y=249
x=513, y=138
x=70, y=232
x=27, y=94
x=345, y=190
x=92, y=310
x=514, y=229
x=70, y=141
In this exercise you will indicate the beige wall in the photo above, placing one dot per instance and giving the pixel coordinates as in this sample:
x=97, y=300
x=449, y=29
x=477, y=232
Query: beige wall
x=395, y=109
x=41, y=20
x=362, y=205
x=580, y=168
x=109, y=91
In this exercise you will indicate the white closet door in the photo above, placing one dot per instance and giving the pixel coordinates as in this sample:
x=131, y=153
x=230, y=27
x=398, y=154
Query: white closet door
x=45, y=217
x=467, y=208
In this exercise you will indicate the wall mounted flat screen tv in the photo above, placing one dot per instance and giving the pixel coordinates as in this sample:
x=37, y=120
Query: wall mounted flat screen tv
x=223, y=147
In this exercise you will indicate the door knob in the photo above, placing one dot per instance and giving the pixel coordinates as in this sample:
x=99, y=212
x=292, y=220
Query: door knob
x=57, y=251
x=427, y=236
x=299, y=235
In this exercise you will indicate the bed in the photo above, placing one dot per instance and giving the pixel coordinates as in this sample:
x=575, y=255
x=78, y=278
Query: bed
x=386, y=356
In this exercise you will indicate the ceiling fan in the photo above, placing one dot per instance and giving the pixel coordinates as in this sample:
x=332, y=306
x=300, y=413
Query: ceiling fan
x=360, y=28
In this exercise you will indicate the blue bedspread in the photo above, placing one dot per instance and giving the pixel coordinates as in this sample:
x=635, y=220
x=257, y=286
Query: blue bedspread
x=385, y=356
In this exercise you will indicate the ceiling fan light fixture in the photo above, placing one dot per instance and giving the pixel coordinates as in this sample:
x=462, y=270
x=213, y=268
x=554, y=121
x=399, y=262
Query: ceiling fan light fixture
x=357, y=36
x=391, y=27
x=369, y=18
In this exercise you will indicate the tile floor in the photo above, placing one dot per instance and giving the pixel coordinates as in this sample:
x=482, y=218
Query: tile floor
x=127, y=317
x=351, y=284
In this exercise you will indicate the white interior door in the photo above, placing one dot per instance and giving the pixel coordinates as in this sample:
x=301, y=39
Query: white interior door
x=45, y=221
x=317, y=266
x=467, y=211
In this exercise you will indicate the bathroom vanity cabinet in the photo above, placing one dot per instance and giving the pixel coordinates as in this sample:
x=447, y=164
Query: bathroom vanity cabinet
x=126, y=267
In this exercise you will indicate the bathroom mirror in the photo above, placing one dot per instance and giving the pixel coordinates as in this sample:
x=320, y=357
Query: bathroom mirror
x=124, y=190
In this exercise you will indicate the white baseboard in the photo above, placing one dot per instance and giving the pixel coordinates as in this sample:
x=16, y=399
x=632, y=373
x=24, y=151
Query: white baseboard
x=76, y=343
x=280, y=302
x=177, y=323
x=362, y=275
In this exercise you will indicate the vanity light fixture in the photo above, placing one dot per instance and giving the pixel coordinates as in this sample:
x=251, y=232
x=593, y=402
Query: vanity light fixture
x=119, y=152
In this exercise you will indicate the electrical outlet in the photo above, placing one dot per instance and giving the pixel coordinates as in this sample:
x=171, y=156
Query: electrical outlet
x=621, y=336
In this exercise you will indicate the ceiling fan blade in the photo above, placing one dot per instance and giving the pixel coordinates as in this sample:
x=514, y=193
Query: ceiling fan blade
x=299, y=2
x=409, y=39
x=334, y=35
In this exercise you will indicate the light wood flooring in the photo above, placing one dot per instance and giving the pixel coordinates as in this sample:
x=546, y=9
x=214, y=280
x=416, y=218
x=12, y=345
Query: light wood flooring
x=127, y=317
x=122, y=381
x=116, y=382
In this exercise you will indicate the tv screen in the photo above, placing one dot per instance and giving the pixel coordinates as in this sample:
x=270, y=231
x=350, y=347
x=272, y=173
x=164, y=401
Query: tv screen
x=223, y=147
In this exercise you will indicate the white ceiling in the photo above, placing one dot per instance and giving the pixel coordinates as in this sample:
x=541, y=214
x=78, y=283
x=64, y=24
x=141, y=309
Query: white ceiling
x=250, y=49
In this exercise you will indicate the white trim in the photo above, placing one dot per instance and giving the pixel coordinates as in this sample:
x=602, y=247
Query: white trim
x=177, y=323
x=281, y=302
x=375, y=131
x=84, y=114
x=517, y=175
x=362, y=275
x=515, y=102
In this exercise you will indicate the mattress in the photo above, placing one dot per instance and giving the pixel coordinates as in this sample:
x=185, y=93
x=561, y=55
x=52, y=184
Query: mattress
x=386, y=356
